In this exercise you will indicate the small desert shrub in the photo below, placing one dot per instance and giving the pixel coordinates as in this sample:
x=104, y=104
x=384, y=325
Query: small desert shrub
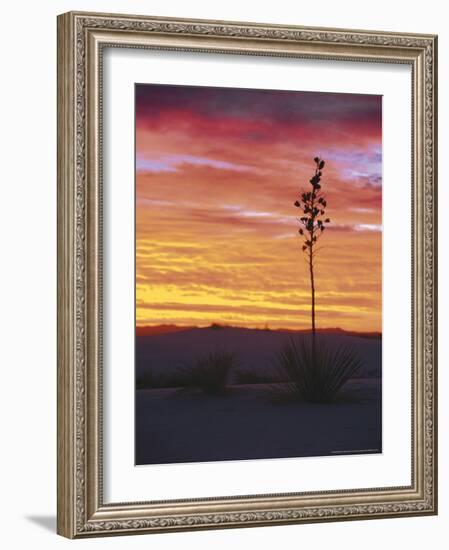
x=146, y=381
x=251, y=376
x=319, y=378
x=208, y=373
x=151, y=381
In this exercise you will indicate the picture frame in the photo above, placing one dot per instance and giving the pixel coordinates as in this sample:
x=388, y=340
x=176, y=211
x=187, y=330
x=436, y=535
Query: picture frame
x=82, y=508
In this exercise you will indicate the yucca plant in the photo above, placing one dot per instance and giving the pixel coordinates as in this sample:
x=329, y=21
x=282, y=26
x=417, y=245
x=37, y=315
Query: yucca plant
x=317, y=371
x=209, y=373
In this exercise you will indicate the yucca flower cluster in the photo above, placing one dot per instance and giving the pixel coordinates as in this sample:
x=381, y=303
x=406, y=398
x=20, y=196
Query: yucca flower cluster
x=312, y=225
x=312, y=203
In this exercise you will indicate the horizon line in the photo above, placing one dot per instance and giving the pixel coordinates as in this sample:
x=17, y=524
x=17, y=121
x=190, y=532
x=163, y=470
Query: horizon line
x=263, y=328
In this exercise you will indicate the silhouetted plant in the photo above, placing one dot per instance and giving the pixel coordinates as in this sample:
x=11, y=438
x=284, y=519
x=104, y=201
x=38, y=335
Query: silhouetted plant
x=316, y=374
x=145, y=381
x=149, y=380
x=209, y=373
x=312, y=221
x=251, y=376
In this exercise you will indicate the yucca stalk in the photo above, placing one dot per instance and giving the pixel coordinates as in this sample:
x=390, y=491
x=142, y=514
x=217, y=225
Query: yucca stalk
x=312, y=225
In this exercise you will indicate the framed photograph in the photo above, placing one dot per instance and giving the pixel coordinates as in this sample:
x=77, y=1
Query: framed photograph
x=246, y=274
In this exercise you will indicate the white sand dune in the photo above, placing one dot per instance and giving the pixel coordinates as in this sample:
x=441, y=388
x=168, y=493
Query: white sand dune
x=248, y=421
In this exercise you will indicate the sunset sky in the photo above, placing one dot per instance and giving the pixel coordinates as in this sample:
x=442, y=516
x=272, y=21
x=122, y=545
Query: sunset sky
x=217, y=173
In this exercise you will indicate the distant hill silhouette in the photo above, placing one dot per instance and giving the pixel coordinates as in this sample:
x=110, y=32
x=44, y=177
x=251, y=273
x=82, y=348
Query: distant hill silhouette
x=159, y=329
x=170, y=329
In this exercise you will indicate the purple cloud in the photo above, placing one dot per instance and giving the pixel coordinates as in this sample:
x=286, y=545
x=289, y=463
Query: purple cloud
x=172, y=163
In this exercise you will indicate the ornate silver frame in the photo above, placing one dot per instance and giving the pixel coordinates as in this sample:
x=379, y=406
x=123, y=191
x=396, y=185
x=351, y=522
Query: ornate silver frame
x=81, y=510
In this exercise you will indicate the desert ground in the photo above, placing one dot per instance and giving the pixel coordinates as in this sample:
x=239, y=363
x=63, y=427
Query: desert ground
x=255, y=416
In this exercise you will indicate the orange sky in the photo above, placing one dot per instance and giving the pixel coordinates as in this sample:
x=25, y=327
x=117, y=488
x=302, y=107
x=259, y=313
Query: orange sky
x=218, y=171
